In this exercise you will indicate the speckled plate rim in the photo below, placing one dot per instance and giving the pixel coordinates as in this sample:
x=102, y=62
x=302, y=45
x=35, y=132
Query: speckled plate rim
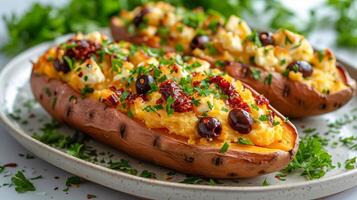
x=27, y=141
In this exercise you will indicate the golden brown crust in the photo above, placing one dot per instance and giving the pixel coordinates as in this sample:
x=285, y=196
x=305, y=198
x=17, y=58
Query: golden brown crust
x=114, y=128
x=291, y=98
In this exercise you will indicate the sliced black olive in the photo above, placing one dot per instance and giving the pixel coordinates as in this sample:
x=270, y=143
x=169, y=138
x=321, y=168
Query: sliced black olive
x=301, y=66
x=199, y=41
x=209, y=127
x=143, y=84
x=240, y=120
x=266, y=38
x=61, y=66
x=139, y=18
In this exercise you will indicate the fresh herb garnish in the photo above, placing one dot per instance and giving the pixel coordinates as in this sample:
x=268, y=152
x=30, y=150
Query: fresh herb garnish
x=123, y=165
x=224, y=148
x=154, y=108
x=268, y=80
x=22, y=184
x=147, y=174
x=264, y=118
x=192, y=180
x=168, y=106
x=312, y=159
x=265, y=182
x=210, y=105
x=350, y=163
x=86, y=90
x=245, y=141
x=255, y=73
x=73, y=180
x=254, y=37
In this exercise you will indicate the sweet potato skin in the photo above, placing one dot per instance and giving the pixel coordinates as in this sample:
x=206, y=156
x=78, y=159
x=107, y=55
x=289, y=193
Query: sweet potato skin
x=291, y=98
x=114, y=128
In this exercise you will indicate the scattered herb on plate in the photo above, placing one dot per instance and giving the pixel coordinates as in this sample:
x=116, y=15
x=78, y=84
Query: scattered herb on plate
x=311, y=158
x=73, y=180
x=350, y=163
x=192, y=180
x=22, y=184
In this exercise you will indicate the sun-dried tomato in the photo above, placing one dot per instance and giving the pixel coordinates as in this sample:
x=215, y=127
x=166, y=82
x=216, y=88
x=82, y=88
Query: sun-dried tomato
x=261, y=100
x=182, y=102
x=81, y=49
x=234, y=99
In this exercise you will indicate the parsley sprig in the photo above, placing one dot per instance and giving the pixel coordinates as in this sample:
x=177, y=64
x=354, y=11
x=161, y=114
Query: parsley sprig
x=312, y=159
x=22, y=184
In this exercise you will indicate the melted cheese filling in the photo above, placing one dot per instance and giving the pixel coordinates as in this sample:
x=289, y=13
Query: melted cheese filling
x=103, y=74
x=233, y=40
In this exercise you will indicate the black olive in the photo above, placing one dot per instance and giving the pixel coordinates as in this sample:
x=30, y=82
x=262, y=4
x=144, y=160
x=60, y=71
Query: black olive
x=199, y=41
x=266, y=38
x=240, y=120
x=209, y=127
x=143, y=84
x=301, y=66
x=139, y=18
x=61, y=66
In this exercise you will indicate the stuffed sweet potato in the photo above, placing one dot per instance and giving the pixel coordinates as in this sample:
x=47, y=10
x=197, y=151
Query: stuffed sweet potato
x=298, y=80
x=164, y=108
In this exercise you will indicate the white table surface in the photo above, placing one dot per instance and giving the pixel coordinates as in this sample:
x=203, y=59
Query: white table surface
x=54, y=177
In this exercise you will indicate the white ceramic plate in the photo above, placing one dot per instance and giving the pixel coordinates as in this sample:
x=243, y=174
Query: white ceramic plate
x=15, y=90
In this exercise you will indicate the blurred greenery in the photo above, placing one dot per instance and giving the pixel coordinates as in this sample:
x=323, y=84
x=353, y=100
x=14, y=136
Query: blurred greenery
x=346, y=22
x=44, y=22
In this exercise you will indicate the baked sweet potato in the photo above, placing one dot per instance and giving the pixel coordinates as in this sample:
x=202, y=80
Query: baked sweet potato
x=93, y=105
x=298, y=80
x=293, y=98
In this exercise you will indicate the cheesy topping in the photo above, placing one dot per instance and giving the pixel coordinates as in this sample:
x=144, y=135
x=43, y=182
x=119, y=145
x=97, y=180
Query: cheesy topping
x=232, y=40
x=179, y=90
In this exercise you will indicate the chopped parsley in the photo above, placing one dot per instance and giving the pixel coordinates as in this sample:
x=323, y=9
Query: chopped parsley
x=193, y=19
x=254, y=37
x=255, y=73
x=2, y=169
x=75, y=150
x=311, y=158
x=86, y=90
x=130, y=114
x=309, y=130
x=168, y=107
x=224, y=109
x=123, y=165
x=245, y=141
x=211, y=49
x=349, y=142
x=193, y=66
x=73, y=180
x=70, y=62
x=268, y=80
x=350, y=163
x=117, y=64
x=224, y=148
x=147, y=174
x=210, y=105
x=275, y=123
x=254, y=106
x=196, y=102
x=264, y=118
x=265, y=182
x=154, y=108
x=192, y=180
x=22, y=184
x=179, y=47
